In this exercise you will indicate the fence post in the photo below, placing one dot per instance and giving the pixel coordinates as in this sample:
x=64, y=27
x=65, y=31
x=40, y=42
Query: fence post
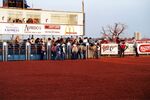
x=68, y=53
x=5, y=51
x=87, y=50
x=48, y=51
x=28, y=51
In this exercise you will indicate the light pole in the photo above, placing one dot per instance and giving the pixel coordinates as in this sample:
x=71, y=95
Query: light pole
x=83, y=17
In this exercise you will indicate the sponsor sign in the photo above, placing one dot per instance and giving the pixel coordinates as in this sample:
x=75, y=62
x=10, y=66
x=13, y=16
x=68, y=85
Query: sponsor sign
x=10, y=28
x=130, y=49
x=56, y=27
x=63, y=30
x=53, y=30
x=73, y=30
x=144, y=48
x=40, y=29
x=109, y=49
x=33, y=29
x=70, y=30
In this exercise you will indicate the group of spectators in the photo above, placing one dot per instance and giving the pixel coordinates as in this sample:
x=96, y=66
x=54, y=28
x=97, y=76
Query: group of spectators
x=74, y=48
x=67, y=48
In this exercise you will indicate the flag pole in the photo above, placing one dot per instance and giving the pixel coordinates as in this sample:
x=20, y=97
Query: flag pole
x=82, y=6
x=32, y=4
x=83, y=17
x=23, y=4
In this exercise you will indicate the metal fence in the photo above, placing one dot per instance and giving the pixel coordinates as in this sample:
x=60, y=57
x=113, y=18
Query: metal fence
x=27, y=51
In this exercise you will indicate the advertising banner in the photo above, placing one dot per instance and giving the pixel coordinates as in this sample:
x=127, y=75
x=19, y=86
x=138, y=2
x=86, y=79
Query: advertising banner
x=40, y=29
x=144, y=48
x=73, y=30
x=33, y=29
x=53, y=29
x=130, y=49
x=10, y=28
x=63, y=30
x=109, y=49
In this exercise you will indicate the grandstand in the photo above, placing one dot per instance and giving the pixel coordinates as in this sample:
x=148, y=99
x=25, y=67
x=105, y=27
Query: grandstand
x=19, y=23
x=16, y=18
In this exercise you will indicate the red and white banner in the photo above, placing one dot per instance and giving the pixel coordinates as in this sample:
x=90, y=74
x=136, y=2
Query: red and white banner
x=40, y=29
x=53, y=29
x=144, y=48
x=109, y=49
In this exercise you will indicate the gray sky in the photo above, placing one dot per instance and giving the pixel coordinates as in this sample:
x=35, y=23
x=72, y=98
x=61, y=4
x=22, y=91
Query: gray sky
x=134, y=13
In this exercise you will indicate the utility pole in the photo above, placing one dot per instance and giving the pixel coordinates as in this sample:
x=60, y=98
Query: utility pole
x=23, y=4
x=83, y=17
x=83, y=6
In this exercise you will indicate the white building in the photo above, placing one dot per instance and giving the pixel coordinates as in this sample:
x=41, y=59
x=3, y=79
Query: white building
x=137, y=35
x=41, y=22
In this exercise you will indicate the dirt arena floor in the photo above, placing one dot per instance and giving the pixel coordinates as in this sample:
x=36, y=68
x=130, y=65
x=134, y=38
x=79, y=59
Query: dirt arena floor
x=93, y=79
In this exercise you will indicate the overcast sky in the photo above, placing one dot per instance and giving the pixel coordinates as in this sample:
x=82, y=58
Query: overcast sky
x=134, y=13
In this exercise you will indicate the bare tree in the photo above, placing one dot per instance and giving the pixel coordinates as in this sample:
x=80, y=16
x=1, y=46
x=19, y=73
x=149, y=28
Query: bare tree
x=112, y=32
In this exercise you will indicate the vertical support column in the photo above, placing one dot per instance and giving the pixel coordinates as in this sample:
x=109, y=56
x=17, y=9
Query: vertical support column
x=68, y=53
x=5, y=51
x=28, y=51
x=48, y=51
x=87, y=50
x=99, y=50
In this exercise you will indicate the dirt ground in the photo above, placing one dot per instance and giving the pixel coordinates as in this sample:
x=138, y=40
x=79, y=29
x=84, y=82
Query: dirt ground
x=93, y=79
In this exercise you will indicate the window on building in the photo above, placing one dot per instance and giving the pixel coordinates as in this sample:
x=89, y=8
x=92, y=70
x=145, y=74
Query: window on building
x=33, y=18
x=15, y=17
x=64, y=19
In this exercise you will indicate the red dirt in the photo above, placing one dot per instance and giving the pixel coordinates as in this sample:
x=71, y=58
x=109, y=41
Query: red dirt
x=93, y=79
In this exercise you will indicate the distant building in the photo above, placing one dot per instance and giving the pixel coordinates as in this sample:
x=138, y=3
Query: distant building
x=137, y=35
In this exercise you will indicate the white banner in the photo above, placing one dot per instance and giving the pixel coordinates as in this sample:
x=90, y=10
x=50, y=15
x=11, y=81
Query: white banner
x=33, y=29
x=63, y=30
x=11, y=28
x=130, y=49
x=109, y=49
x=73, y=30
x=40, y=29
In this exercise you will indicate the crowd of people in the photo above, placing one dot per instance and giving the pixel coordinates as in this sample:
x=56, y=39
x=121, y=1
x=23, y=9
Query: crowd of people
x=73, y=48
x=65, y=48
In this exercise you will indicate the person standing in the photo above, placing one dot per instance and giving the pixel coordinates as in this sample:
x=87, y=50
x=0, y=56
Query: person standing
x=122, y=49
x=43, y=51
x=84, y=51
x=135, y=46
x=58, y=52
x=53, y=51
x=74, y=52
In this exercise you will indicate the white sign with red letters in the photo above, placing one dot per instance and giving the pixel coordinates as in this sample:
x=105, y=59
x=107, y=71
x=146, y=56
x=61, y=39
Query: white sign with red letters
x=109, y=49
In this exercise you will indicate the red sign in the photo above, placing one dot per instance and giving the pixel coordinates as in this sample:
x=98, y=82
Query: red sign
x=52, y=27
x=144, y=48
